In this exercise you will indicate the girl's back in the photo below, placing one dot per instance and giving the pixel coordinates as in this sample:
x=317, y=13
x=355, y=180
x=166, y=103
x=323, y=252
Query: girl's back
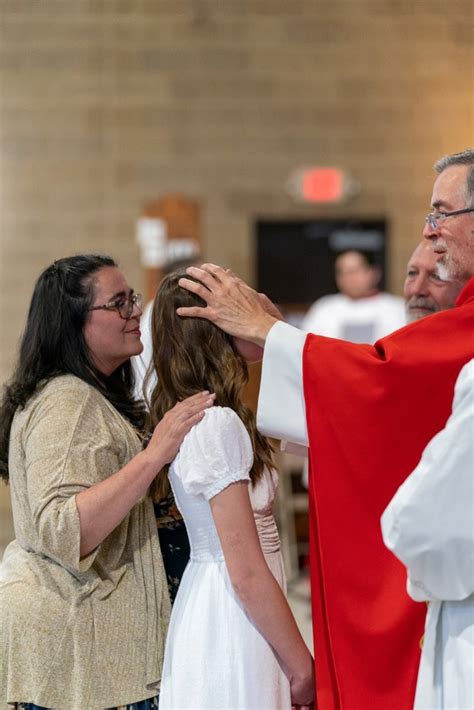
x=216, y=657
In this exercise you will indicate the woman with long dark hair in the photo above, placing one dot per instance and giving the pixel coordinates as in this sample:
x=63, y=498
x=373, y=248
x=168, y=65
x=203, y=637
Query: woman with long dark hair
x=233, y=641
x=83, y=600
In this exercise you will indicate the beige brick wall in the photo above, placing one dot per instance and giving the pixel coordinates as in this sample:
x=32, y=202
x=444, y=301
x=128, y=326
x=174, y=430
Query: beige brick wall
x=105, y=104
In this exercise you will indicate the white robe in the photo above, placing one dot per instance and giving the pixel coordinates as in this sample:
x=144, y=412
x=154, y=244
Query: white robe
x=281, y=409
x=360, y=320
x=429, y=526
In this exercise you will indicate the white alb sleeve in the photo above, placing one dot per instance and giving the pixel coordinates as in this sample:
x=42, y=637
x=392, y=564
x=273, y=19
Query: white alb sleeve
x=281, y=409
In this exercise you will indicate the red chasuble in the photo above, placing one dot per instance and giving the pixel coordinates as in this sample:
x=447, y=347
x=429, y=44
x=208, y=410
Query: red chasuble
x=371, y=410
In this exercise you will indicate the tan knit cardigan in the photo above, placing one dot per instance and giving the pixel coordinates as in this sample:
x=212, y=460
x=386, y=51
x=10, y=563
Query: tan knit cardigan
x=77, y=634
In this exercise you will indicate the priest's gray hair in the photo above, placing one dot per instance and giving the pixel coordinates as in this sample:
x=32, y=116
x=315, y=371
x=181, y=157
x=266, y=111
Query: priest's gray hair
x=465, y=157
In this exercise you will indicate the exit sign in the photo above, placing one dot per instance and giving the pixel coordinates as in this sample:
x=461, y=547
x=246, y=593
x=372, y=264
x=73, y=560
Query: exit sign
x=321, y=185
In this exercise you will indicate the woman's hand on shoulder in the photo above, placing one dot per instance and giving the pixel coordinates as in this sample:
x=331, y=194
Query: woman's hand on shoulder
x=171, y=430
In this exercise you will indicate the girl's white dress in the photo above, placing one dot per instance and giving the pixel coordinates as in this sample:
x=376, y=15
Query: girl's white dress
x=215, y=657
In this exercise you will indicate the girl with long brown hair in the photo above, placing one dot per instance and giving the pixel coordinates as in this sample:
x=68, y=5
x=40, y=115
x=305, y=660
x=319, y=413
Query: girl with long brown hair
x=233, y=641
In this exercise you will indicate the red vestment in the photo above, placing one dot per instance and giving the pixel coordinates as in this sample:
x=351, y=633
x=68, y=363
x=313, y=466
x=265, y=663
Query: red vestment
x=371, y=410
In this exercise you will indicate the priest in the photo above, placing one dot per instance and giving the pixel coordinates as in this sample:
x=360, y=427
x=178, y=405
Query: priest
x=367, y=412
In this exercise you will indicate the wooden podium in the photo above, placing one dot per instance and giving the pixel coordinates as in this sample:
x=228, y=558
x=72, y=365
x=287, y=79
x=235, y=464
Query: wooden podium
x=177, y=222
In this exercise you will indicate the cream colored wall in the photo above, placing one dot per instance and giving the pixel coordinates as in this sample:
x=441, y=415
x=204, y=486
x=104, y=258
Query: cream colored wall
x=105, y=104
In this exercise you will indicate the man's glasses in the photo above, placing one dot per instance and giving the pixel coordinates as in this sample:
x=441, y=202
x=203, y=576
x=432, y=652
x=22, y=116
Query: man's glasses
x=434, y=218
x=123, y=306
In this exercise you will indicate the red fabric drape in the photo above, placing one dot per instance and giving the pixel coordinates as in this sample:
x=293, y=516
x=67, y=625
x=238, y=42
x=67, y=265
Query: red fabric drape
x=371, y=410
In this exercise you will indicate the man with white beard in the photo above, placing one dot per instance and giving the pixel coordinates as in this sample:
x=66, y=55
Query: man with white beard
x=427, y=289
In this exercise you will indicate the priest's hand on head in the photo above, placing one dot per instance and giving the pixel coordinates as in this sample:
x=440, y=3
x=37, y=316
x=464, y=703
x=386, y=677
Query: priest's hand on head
x=231, y=304
x=250, y=351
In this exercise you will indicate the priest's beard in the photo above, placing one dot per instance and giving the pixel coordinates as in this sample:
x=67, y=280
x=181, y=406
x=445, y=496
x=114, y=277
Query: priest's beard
x=457, y=264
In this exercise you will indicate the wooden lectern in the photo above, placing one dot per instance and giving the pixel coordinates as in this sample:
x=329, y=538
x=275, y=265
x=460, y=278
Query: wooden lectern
x=170, y=228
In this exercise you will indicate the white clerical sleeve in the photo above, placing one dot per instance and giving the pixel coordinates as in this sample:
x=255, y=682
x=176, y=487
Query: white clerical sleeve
x=281, y=410
x=429, y=524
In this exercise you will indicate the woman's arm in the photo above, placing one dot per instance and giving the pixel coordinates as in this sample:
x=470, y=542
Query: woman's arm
x=104, y=505
x=258, y=590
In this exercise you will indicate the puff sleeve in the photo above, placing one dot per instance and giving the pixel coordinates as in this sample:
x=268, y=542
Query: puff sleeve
x=215, y=453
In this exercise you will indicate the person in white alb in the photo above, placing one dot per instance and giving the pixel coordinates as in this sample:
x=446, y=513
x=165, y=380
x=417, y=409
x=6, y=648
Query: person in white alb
x=360, y=313
x=429, y=526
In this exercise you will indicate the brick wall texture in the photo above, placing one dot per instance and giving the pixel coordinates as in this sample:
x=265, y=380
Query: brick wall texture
x=106, y=104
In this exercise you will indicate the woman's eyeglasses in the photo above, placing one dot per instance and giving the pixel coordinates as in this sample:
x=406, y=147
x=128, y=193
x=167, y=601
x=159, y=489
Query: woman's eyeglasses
x=123, y=306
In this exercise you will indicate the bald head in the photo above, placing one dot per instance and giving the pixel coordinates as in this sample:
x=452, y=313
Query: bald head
x=426, y=289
